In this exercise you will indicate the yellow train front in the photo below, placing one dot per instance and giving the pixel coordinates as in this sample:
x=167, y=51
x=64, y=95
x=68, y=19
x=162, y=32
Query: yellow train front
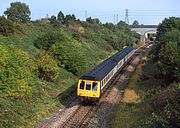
x=92, y=84
x=89, y=90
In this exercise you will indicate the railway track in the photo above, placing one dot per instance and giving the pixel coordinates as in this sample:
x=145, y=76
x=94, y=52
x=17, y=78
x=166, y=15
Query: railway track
x=78, y=117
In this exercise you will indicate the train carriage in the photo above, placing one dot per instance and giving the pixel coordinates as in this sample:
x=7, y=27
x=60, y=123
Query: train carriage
x=92, y=84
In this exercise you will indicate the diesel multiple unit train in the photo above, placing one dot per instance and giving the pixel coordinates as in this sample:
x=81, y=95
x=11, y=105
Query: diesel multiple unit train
x=92, y=84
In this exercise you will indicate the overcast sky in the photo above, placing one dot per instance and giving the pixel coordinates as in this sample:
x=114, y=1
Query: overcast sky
x=145, y=11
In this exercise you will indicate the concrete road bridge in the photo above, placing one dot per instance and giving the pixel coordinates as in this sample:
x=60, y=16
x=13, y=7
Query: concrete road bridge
x=146, y=31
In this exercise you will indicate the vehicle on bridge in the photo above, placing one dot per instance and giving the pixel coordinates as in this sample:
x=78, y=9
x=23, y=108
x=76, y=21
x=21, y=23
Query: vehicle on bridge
x=92, y=84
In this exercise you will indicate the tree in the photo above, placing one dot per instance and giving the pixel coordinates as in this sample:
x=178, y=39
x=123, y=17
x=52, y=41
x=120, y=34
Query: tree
x=54, y=21
x=167, y=25
x=169, y=61
x=93, y=21
x=122, y=25
x=60, y=17
x=70, y=18
x=109, y=26
x=135, y=23
x=18, y=12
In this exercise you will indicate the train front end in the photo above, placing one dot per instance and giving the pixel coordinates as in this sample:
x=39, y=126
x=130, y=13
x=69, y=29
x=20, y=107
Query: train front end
x=88, y=90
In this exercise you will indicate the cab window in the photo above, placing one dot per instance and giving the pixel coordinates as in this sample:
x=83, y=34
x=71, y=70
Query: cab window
x=88, y=86
x=94, y=86
x=82, y=85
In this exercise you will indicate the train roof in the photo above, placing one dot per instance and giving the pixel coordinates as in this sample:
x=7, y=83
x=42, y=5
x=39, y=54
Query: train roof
x=100, y=71
x=121, y=54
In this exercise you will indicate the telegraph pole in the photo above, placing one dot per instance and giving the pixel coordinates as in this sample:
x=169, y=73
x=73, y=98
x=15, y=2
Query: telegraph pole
x=85, y=15
x=117, y=18
x=126, y=17
x=114, y=19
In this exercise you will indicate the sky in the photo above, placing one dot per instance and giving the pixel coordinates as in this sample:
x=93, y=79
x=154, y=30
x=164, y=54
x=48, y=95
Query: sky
x=144, y=11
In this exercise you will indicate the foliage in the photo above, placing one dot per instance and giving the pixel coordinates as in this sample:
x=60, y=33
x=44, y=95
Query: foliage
x=167, y=25
x=46, y=41
x=18, y=12
x=169, y=46
x=110, y=26
x=54, y=21
x=93, y=21
x=70, y=19
x=135, y=23
x=70, y=57
x=47, y=67
x=169, y=113
x=16, y=78
x=61, y=17
x=6, y=26
x=172, y=36
x=65, y=50
x=169, y=61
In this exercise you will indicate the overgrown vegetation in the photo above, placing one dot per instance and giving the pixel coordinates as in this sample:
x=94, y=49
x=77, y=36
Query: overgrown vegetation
x=40, y=60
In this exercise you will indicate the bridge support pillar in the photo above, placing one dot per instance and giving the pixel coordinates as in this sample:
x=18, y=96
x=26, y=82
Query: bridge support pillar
x=143, y=39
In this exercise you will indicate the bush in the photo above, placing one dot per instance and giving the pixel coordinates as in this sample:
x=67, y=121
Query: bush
x=16, y=77
x=47, y=66
x=46, y=41
x=166, y=109
x=6, y=26
x=71, y=57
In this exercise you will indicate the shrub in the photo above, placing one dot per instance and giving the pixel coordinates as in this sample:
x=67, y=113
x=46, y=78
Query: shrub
x=71, y=57
x=47, y=66
x=47, y=40
x=167, y=111
x=16, y=77
x=6, y=26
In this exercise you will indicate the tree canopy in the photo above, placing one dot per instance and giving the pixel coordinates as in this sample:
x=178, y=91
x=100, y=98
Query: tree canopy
x=60, y=17
x=18, y=12
x=135, y=23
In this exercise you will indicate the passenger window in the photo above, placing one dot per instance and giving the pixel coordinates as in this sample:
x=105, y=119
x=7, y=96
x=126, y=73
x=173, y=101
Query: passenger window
x=88, y=86
x=94, y=86
x=82, y=85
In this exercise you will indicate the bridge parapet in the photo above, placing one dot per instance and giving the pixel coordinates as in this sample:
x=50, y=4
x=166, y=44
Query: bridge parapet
x=144, y=29
x=143, y=26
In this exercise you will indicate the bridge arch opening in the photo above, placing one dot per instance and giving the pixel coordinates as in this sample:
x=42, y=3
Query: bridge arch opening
x=150, y=35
